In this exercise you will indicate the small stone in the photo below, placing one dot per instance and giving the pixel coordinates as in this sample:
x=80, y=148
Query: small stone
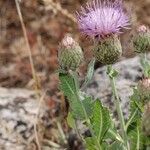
x=18, y=109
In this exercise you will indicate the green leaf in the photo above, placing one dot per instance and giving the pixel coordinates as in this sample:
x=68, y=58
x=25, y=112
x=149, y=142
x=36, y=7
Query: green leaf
x=90, y=143
x=136, y=105
x=134, y=125
x=131, y=119
x=90, y=72
x=116, y=146
x=100, y=120
x=113, y=135
x=70, y=87
x=78, y=111
x=135, y=136
x=70, y=120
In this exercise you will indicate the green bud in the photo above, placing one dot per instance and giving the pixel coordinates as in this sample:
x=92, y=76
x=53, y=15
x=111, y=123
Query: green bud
x=70, y=54
x=146, y=120
x=141, y=41
x=108, y=50
x=143, y=88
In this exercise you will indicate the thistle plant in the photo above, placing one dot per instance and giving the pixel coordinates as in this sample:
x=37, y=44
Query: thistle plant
x=103, y=22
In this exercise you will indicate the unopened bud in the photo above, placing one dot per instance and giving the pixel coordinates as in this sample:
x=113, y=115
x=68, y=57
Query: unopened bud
x=144, y=90
x=108, y=50
x=146, y=120
x=70, y=54
x=141, y=41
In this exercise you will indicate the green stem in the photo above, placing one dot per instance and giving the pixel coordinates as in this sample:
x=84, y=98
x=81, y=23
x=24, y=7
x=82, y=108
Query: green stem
x=118, y=107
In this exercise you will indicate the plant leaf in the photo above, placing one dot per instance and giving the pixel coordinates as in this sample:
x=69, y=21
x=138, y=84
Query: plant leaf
x=134, y=124
x=113, y=135
x=116, y=146
x=90, y=143
x=135, y=136
x=100, y=120
x=69, y=86
x=78, y=111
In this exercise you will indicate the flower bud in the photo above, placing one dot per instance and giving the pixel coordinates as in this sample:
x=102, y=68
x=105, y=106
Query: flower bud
x=141, y=41
x=70, y=54
x=146, y=120
x=144, y=90
x=108, y=50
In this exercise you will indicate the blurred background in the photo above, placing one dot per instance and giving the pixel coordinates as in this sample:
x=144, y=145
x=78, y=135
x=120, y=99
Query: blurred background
x=46, y=22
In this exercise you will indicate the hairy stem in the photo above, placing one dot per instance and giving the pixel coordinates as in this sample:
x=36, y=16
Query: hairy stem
x=118, y=108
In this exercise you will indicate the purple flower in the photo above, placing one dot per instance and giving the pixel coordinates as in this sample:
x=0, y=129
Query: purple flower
x=101, y=18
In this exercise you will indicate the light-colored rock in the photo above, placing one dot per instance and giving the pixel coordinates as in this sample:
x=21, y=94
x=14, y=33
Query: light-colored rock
x=130, y=72
x=18, y=111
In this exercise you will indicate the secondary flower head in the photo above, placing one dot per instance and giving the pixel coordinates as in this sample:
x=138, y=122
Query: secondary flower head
x=70, y=54
x=101, y=18
x=141, y=40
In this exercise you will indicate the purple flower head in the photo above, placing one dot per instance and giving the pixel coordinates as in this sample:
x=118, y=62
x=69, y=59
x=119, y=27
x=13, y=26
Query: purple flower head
x=101, y=18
